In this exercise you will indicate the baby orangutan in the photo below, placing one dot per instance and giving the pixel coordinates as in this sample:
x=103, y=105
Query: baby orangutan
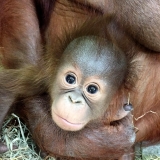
x=81, y=84
x=89, y=74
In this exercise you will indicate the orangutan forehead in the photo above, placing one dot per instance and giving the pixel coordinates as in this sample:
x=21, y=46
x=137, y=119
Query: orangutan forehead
x=93, y=56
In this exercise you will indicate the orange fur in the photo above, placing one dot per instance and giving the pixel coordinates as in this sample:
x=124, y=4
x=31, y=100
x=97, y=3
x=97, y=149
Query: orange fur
x=29, y=30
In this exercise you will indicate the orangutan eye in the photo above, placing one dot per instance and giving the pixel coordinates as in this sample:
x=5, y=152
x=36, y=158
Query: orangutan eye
x=71, y=79
x=92, y=89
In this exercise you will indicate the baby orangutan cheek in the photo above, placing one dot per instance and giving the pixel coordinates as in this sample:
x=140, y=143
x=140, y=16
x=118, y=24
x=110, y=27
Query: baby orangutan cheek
x=68, y=115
